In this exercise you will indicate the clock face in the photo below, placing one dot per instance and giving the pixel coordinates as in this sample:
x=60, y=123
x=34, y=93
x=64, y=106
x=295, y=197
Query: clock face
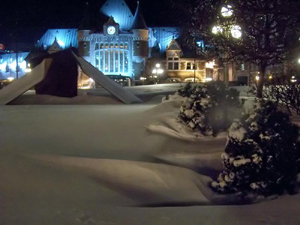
x=111, y=30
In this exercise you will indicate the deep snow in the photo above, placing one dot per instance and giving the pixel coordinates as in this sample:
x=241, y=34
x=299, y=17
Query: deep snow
x=98, y=164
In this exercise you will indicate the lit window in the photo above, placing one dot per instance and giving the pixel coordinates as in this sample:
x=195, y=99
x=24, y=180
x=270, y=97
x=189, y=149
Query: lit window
x=126, y=46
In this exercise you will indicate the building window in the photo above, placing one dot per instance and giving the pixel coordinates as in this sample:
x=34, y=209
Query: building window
x=111, y=61
x=170, y=66
x=188, y=66
x=117, y=61
x=112, y=58
x=106, y=61
x=176, y=65
x=126, y=61
x=121, y=61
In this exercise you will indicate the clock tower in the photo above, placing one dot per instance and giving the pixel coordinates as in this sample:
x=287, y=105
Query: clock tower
x=111, y=27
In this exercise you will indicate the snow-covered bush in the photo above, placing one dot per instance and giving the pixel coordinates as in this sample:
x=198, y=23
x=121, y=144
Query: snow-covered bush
x=180, y=94
x=209, y=108
x=261, y=153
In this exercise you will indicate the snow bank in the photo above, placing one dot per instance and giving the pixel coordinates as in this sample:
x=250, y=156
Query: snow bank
x=95, y=164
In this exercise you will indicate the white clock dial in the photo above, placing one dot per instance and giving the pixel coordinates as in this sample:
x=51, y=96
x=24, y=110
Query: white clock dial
x=111, y=30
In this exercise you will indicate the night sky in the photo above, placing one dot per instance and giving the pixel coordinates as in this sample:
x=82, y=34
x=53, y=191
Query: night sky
x=24, y=22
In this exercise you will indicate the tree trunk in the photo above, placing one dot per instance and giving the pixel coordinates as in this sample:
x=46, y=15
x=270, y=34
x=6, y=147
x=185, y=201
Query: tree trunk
x=260, y=83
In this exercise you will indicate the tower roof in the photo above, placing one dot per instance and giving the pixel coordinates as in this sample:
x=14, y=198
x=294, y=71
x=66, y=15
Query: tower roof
x=138, y=20
x=111, y=21
x=120, y=11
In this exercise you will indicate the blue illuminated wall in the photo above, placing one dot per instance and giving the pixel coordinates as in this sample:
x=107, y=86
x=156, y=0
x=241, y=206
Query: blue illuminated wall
x=8, y=65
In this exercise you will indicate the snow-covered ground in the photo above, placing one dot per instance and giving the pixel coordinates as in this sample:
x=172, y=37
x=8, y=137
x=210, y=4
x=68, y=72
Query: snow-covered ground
x=98, y=164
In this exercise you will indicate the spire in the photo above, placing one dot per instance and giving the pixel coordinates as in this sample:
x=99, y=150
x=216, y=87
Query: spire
x=138, y=20
x=111, y=21
x=85, y=23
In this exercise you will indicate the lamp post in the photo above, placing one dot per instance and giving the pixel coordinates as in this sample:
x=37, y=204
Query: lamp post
x=228, y=29
x=157, y=71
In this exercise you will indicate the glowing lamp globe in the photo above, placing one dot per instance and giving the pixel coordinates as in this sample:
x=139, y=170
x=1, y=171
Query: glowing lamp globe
x=217, y=30
x=236, y=31
x=227, y=11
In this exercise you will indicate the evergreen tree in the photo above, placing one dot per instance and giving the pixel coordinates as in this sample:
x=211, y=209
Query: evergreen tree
x=209, y=108
x=261, y=154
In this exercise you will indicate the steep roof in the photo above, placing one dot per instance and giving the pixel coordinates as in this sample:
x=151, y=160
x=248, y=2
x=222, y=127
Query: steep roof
x=174, y=46
x=65, y=38
x=119, y=10
x=138, y=20
x=55, y=47
x=111, y=21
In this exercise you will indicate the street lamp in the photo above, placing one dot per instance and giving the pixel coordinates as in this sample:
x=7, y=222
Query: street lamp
x=227, y=11
x=228, y=29
x=157, y=71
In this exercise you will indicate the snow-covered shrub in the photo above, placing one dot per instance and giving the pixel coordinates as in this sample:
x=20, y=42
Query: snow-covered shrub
x=209, y=108
x=261, y=153
x=186, y=90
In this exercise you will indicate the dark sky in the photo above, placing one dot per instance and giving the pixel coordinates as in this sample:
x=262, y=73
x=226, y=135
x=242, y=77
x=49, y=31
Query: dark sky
x=26, y=21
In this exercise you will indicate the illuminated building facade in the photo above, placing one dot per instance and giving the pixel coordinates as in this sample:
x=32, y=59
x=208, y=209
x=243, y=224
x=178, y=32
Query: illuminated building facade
x=121, y=45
